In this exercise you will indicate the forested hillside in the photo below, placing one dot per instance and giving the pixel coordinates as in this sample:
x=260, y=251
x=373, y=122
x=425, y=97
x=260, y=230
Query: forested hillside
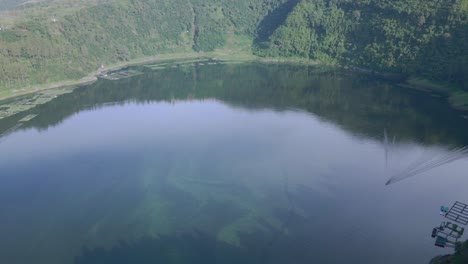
x=60, y=39
x=421, y=37
x=55, y=42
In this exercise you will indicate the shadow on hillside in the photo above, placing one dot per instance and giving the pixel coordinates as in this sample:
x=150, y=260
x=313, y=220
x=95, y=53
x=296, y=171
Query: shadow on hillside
x=273, y=20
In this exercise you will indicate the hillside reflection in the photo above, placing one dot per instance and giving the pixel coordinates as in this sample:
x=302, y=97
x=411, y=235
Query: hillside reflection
x=359, y=104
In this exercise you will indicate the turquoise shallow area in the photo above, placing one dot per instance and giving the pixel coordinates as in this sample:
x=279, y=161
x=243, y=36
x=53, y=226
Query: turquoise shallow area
x=243, y=163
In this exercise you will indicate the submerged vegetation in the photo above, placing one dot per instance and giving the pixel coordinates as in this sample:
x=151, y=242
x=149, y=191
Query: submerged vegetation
x=56, y=40
x=155, y=199
x=13, y=107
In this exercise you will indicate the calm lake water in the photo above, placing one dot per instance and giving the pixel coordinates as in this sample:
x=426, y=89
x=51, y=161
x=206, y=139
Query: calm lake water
x=244, y=163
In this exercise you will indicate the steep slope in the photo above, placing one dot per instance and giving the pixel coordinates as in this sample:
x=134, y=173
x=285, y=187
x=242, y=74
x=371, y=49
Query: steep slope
x=58, y=40
x=67, y=40
x=422, y=37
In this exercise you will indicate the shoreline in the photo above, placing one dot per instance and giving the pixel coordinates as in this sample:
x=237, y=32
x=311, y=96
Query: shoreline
x=218, y=56
x=92, y=77
x=57, y=85
x=444, y=90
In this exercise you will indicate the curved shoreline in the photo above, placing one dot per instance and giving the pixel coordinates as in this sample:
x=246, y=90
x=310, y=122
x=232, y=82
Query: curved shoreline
x=419, y=84
x=92, y=77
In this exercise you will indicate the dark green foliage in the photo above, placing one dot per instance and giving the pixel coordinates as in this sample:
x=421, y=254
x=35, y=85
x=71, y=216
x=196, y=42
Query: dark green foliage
x=250, y=16
x=38, y=50
x=409, y=37
x=426, y=38
x=208, y=40
x=313, y=29
x=8, y=36
x=461, y=254
x=209, y=27
x=80, y=41
x=274, y=19
x=214, y=21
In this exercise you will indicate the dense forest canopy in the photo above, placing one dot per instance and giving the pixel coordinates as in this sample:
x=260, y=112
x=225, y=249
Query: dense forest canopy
x=55, y=40
x=407, y=36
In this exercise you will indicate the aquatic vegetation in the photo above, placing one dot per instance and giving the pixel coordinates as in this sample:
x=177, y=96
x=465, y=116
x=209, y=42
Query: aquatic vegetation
x=179, y=63
x=27, y=118
x=186, y=247
x=21, y=104
x=459, y=101
x=193, y=155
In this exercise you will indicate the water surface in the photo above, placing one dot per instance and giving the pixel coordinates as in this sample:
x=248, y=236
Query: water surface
x=241, y=163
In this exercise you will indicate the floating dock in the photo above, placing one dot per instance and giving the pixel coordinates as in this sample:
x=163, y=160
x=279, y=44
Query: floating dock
x=458, y=213
x=447, y=234
x=113, y=76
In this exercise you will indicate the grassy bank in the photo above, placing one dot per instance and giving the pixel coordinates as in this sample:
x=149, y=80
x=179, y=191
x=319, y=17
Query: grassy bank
x=238, y=48
x=457, y=98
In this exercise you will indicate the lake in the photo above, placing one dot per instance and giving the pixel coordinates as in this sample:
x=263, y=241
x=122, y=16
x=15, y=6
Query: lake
x=231, y=163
